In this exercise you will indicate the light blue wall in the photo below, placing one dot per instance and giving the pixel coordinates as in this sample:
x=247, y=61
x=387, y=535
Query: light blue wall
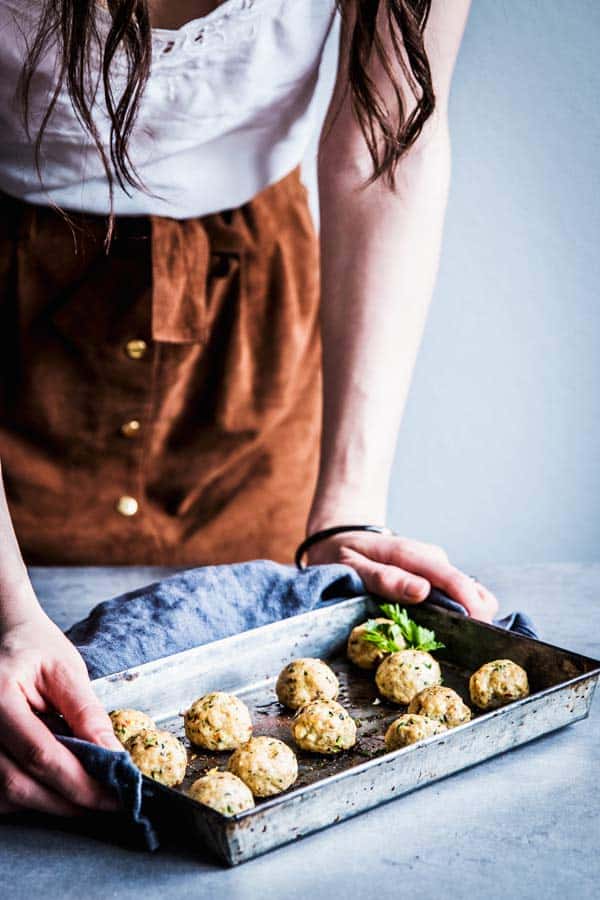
x=499, y=453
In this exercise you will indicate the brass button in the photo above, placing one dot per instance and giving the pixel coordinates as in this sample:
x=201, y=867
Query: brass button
x=127, y=506
x=136, y=349
x=130, y=429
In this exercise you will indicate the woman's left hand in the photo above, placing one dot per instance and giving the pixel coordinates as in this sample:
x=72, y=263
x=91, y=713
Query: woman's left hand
x=399, y=568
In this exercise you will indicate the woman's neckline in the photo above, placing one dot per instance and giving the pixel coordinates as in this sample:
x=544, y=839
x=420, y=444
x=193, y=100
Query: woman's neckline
x=223, y=10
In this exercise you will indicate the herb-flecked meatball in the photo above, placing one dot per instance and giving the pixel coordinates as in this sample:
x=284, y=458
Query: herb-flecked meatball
x=127, y=722
x=159, y=755
x=441, y=703
x=408, y=729
x=265, y=764
x=366, y=654
x=498, y=682
x=323, y=726
x=222, y=791
x=304, y=680
x=403, y=674
x=218, y=721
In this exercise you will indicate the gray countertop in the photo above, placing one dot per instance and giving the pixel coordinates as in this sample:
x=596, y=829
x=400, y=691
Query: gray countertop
x=523, y=825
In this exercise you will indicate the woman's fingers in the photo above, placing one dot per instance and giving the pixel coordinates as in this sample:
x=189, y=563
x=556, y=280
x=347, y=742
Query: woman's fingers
x=19, y=791
x=37, y=753
x=488, y=599
x=416, y=560
x=400, y=568
x=388, y=581
x=76, y=701
x=463, y=589
x=420, y=547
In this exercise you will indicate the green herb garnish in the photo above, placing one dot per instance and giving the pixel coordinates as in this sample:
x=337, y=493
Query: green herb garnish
x=389, y=637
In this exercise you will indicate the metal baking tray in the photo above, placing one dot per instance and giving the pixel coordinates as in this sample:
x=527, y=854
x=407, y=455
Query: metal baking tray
x=332, y=789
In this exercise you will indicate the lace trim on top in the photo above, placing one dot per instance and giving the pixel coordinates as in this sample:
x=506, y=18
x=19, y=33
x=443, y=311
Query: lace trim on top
x=218, y=26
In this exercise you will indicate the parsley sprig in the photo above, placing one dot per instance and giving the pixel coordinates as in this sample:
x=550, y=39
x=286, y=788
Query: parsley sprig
x=403, y=630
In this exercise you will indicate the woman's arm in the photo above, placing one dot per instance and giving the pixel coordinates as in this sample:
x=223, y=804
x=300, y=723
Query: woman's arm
x=40, y=671
x=380, y=254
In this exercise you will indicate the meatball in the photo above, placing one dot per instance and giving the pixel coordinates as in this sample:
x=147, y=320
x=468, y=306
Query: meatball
x=304, y=680
x=127, y=722
x=364, y=653
x=222, y=791
x=159, y=755
x=441, y=703
x=218, y=721
x=403, y=674
x=498, y=682
x=267, y=766
x=323, y=726
x=408, y=729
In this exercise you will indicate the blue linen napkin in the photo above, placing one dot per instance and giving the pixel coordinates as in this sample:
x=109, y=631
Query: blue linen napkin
x=200, y=605
x=118, y=773
x=194, y=607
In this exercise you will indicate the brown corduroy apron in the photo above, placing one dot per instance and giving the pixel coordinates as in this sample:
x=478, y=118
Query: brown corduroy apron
x=160, y=404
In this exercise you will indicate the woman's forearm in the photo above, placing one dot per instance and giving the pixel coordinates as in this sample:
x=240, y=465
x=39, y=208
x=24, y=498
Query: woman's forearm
x=17, y=598
x=380, y=256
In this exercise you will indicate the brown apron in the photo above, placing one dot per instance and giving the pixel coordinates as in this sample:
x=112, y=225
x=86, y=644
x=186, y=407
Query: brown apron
x=160, y=404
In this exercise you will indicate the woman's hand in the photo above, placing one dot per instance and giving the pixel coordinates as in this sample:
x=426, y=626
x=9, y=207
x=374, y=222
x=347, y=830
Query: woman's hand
x=398, y=568
x=40, y=671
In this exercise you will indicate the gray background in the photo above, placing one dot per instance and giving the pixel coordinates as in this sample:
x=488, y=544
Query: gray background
x=498, y=452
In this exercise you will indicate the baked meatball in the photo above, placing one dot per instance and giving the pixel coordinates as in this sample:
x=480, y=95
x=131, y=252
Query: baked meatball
x=266, y=765
x=364, y=653
x=304, y=680
x=222, y=791
x=441, y=703
x=402, y=675
x=498, y=682
x=408, y=729
x=218, y=721
x=159, y=755
x=127, y=722
x=323, y=726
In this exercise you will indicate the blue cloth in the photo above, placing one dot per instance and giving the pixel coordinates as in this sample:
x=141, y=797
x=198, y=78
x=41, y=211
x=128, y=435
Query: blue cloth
x=192, y=608
x=116, y=771
x=201, y=605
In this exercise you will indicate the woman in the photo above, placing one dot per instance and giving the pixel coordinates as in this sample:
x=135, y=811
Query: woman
x=162, y=321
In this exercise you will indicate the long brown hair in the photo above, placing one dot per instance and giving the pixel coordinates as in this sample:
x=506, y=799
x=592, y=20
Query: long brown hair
x=71, y=25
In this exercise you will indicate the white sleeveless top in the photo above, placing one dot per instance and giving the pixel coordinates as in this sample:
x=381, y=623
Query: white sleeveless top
x=230, y=106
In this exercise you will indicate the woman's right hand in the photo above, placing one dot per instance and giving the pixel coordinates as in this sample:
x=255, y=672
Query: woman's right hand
x=41, y=671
